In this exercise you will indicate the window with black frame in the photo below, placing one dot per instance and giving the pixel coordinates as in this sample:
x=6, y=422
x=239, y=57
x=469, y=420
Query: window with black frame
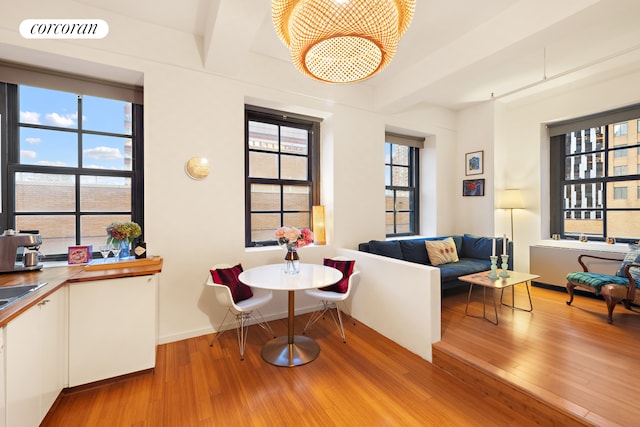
x=282, y=172
x=401, y=185
x=74, y=165
x=595, y=177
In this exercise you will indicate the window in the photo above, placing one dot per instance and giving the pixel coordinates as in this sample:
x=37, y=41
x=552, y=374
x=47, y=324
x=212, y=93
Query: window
x=401, y=185
x=622, y=152
x=619, y=193
x=282, y=172
x=620, y=170
x=590, y=177
x=620, y=129
x=74, y=165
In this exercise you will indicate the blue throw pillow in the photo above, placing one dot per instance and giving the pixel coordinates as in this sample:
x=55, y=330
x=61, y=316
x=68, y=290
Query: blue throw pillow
x=458, y=241
x=389, y=248
x=632, y=257
x=479, y=247
x=414, y=251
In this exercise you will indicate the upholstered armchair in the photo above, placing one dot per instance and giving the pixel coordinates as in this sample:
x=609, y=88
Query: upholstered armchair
x=614, y=289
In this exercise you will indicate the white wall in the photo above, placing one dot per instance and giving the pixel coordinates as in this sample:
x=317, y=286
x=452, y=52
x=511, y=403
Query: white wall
x=474, y=215
x=405, y=310
x=437, y=171
x=191, y=112
x=515, y=141
x=522, y=140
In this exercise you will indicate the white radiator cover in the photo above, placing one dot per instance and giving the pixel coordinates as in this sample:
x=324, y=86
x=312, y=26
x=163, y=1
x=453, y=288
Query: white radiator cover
x=553, y=263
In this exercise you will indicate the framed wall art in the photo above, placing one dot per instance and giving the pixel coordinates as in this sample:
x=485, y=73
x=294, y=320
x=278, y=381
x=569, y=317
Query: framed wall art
x=474, y=163
x=473, y=187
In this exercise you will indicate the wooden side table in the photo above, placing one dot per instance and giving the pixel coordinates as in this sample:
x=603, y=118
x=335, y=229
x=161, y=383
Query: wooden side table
x=482, y=279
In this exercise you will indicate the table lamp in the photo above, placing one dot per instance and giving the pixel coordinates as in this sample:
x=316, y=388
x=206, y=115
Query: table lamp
x=318, y=225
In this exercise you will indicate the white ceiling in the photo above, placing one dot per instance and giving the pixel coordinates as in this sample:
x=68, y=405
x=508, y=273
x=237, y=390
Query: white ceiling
x=455, y=53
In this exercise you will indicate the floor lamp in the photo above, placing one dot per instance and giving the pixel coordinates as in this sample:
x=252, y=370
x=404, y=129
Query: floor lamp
x=511, y=199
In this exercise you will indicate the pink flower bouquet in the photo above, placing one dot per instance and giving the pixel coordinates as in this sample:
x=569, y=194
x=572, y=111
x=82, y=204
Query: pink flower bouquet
x=294, y=238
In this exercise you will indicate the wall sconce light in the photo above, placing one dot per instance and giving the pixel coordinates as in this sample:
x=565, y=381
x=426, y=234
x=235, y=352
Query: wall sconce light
x=197, y=168
x=318, y=225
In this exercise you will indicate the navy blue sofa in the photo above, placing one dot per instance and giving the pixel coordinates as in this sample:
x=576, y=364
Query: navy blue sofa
x=473, y=254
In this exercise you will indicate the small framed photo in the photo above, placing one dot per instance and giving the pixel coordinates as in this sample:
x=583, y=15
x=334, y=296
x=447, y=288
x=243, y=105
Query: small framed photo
x=80, y=254
x=473, y=187
x=474, y=163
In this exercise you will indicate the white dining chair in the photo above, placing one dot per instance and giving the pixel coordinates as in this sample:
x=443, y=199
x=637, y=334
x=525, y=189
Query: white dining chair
x=242, y=310
x=329, y=300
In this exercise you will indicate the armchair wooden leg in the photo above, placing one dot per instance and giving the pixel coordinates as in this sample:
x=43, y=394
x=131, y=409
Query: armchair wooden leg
x=570, y=288
x=611, y=304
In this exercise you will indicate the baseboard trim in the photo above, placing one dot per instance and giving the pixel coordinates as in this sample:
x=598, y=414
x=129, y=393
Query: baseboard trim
x=229, y=324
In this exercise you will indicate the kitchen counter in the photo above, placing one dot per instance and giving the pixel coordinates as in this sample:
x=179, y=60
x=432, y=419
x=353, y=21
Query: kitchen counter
x=57, y=277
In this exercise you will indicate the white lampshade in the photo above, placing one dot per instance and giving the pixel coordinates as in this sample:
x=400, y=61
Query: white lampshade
x=511, y=199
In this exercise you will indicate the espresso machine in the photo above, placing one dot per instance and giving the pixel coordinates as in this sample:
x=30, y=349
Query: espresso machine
x=12, y=247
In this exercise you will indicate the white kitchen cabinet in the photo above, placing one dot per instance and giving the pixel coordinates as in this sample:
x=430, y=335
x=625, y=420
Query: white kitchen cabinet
x=36, y=360
x=112, y=328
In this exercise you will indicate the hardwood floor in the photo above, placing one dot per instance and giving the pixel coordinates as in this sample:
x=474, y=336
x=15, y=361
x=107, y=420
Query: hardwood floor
x=569, y=356
x=566, y=356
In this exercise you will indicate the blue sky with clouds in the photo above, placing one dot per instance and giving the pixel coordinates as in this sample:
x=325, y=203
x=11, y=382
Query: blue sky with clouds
x=59, y=148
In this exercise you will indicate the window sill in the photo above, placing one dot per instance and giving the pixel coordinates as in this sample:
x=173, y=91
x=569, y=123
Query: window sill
x=278, y=248
x=619, y=248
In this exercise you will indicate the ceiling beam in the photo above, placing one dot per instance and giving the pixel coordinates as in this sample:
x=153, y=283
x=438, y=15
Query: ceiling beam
x=230, y=30
x=524, y=20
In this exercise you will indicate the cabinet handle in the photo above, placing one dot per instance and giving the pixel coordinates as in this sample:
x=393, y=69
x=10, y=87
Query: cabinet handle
x=44, y=301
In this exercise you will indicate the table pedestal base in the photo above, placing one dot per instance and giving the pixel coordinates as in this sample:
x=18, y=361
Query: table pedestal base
x=279, y=352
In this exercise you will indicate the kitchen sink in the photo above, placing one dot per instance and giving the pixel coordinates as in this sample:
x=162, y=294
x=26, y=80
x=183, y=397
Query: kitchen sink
x=9, y=294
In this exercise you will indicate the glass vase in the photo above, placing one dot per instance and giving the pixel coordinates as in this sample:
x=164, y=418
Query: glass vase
x=125, y=249
x=292, y=261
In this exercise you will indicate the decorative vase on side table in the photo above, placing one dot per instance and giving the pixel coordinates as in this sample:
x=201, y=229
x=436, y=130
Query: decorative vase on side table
x=125, y=249
x=505, y=266
x=291, y=238
x=292, y=261
x=494, y=267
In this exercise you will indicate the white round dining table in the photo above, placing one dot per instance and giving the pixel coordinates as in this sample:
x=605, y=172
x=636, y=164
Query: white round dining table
x=290, y=350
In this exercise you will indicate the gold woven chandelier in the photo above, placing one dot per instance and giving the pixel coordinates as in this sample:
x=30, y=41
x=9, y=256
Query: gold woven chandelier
x=341, y=41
